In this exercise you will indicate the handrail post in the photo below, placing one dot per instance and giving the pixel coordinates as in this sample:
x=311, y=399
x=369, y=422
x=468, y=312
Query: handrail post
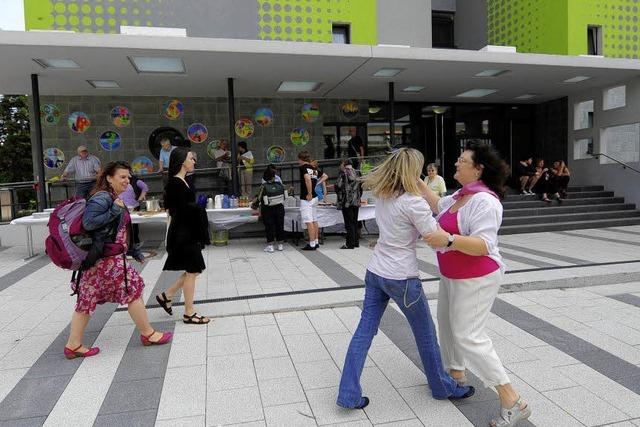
x=37, y=127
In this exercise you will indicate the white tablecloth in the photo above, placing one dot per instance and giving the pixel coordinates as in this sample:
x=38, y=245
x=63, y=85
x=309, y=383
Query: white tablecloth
x=327, y=216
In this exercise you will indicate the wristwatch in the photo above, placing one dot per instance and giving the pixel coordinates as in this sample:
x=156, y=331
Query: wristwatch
x=451, y=240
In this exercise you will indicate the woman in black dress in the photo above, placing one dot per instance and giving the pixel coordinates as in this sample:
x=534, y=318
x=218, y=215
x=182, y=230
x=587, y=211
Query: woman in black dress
x=188, y=233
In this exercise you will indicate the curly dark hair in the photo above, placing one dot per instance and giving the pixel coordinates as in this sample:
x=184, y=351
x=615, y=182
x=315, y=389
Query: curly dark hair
x=494, y=171
x=110, y=170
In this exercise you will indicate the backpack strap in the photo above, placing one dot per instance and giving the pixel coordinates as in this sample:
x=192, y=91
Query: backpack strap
x=75, y=278
x=126, y=280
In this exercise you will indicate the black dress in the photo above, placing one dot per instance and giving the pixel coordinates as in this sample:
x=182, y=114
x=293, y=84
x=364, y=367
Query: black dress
x=188, y=230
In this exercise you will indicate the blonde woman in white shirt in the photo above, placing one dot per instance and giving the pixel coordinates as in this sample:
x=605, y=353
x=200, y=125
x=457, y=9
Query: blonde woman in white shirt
x=402, y=216
x=435, y=181
x=472, y=269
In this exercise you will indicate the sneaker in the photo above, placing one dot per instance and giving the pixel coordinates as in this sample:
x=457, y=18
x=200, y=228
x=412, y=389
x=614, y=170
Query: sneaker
x=269, y=248
x=510, y=417
x=280, y=247
x=309, y=248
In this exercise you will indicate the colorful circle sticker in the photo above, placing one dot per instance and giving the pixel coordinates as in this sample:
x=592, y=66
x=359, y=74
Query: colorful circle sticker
x=121, y=116
x=173, y=109
x=275, y=154
x=310, y=112
x=213, y=146
x=142, y=165
x=197, y=133
x=53, y=157
x=79, y=122
x=263, y=116
x=50, y=114
x=350, y=109
x=110, y=140
x=300, y=136
x=244, y=128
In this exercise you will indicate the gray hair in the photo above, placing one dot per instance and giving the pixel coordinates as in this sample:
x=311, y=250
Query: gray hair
x=432, y=166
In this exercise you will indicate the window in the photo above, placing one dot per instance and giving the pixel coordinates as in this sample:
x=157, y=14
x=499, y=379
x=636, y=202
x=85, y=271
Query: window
x=442, y=30
x=594, y=40
x=582, y=148
x=620, y=142
x=583, y=115
x=341, y=34
x=614, y=97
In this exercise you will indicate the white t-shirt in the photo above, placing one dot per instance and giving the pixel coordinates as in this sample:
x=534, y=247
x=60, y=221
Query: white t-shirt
x=218, y=153
x=401, y=220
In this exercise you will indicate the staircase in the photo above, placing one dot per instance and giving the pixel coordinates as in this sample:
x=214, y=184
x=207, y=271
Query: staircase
x=584, y=207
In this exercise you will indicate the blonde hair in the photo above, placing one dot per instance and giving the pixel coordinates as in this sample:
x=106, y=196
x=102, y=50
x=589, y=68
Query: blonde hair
x=398, y=174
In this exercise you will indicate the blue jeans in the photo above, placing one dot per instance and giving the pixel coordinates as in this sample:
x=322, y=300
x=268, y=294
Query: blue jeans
x=410, y=298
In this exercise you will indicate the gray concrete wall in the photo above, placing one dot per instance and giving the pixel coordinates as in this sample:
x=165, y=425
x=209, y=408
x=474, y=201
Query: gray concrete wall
x=444, y=5
x=471, y=24
x=406, y=22
x=625, y=183
x=232, y=19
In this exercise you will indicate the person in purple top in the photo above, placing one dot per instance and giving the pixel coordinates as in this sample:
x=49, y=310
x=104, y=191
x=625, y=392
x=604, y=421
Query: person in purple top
x=135, y=193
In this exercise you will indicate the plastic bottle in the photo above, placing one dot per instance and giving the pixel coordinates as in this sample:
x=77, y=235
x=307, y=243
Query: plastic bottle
x=225, y=202
x=233, y=202
x=210, y=203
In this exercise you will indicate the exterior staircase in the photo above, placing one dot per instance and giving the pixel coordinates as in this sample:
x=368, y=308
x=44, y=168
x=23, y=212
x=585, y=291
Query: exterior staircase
x=584, y=207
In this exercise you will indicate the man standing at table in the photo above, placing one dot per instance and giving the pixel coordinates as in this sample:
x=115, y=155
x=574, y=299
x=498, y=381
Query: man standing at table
x=355, y=148
x=309, y=198
x=85, y=167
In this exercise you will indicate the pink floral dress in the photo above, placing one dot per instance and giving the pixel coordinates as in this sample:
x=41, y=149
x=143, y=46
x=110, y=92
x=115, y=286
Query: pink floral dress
x=104, y=282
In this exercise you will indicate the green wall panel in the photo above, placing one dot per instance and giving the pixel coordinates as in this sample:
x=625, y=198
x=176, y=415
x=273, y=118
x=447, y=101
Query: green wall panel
x=312, y=21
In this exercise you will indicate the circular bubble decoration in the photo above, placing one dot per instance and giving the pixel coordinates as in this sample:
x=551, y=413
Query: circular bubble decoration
x=350, y=109
x=53, y=157
x=142, y=165
x=244, y=128
x=213, y=146
x=110, y=140
x=197, y=133
x=310, y=112
x=79, y=122
x=263, y=116
x=300, y=136
x=50, y=114
x=120, y=116
x=276, y=154
x=173, y=109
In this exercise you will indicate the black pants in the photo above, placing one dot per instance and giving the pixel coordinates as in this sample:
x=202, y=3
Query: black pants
x=350, y=216
x=273, y=218
x=562, y=182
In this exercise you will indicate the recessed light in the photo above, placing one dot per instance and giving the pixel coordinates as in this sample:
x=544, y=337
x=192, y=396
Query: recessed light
x=476, y=93
x=298, y=86
x=374, y=110
x=388, y=72
x=413, y=89
x=144, y=64
x=62, y=64
x=104, y=84
x=491, y=73
x=577, y=79
x=527, y=96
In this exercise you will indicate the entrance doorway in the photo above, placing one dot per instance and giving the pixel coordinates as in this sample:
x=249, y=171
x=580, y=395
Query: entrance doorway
x=336, y=138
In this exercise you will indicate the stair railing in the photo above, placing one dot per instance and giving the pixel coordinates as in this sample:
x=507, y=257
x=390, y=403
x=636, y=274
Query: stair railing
x=621, y=163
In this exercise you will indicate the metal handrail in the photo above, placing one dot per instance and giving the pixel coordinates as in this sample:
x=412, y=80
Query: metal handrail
x=621, y=163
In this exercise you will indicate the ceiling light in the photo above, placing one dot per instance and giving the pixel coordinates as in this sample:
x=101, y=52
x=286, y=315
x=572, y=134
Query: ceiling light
x=413, y=89
x=527, y=96
x=144, y=64
x=476, y=93
x=298, y=86
x=491, y=73
x=374, y=110
x=388, y=72
x=66, y=64
x=577, y=79
x=104, y=84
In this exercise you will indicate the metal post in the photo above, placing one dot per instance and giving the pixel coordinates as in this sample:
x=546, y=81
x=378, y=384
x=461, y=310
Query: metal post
x=235, y=183
x=35, y=93
x=392, y=121
x=511, y=143
x=442, y=139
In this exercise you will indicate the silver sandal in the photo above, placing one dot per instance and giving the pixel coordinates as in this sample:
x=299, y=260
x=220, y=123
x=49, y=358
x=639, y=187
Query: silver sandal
x=510, y=417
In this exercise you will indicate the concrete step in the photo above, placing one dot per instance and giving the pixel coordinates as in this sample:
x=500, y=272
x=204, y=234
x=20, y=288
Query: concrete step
x=573, y=225
x=570, y=195
x=567, y=202
x=558, y=209
x=579, y=188
x=573, y=217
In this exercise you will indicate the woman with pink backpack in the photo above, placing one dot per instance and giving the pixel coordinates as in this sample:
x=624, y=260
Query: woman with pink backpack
x=105, y=275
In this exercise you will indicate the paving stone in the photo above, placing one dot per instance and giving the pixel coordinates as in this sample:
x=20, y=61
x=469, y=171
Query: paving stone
x=259, y=320
x=325, y=409
x=337, y=346
x=234, y=406
x=401, y=371
x=276, y=367
x=585, y=406
x=33, y=397
x=296, y=414
x=306, y=348
x=229, y=372
x=541, y=376
x=143, y=362
x=225, y=345
x=551, y=356
x=318, y=374
x=386, y=404
x=9, y=379
x=294, y=323
x=133, y=419
x=432, y=412
x=182, y=422
x=24, y=422
x=189, y=349
x=281, y=391
x=406, y=423
x=128, y=396
x=266, y=342
x=326, y=322
x=184, y=393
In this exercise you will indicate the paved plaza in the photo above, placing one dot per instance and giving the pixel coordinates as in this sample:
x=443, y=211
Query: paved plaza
x=567, y=327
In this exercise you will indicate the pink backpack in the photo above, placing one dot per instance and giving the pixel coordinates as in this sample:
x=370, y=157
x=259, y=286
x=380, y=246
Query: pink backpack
x=68, y=243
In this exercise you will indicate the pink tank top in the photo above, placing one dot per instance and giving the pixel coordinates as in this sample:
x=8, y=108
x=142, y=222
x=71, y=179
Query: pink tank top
x=458, y=265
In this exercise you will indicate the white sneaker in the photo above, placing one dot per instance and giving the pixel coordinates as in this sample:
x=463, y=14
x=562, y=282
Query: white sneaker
x=280, y=247
x=269, y=248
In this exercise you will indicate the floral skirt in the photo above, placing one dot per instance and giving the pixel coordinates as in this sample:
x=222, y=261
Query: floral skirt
x=104, y=282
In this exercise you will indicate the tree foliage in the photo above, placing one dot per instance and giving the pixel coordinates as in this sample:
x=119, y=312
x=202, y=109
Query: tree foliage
x=16, y=163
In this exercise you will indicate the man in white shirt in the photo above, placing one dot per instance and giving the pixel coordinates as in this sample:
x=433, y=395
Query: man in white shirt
x=223, y=159
x=85, y=167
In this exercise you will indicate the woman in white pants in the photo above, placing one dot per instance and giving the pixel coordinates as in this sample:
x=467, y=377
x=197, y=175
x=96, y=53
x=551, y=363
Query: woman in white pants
x=472, y=271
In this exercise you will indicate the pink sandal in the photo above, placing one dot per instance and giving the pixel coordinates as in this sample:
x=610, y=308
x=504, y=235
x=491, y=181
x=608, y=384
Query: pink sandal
x=72, y=354
x=165, y=338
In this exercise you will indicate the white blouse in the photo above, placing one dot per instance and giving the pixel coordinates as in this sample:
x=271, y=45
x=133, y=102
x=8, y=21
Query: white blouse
x=480, y=217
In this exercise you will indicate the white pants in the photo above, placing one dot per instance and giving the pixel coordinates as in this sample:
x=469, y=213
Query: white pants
x=463, y=308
